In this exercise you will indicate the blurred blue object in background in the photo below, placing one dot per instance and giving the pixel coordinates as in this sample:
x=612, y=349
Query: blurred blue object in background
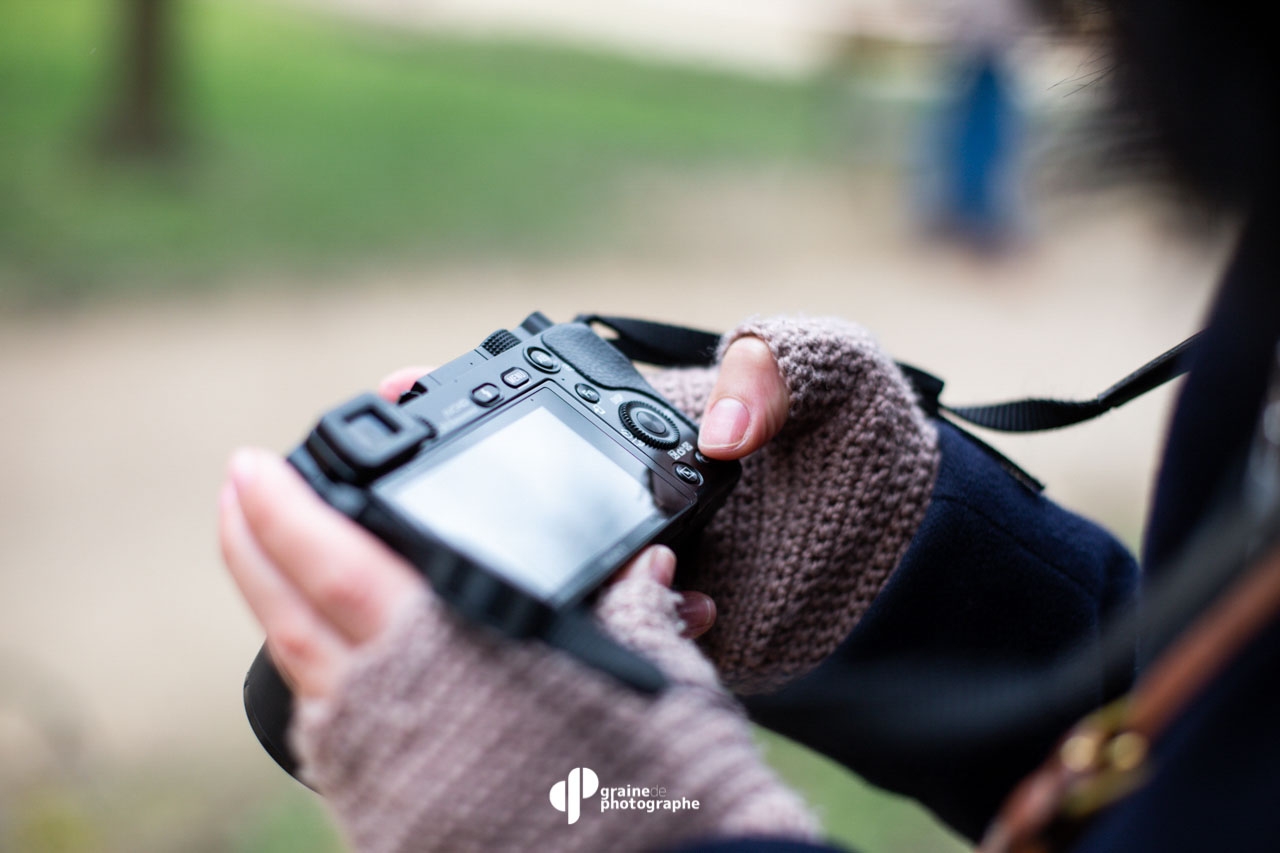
x=980, y=149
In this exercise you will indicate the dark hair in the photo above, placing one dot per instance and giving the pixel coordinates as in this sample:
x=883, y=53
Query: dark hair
x=1195, y=82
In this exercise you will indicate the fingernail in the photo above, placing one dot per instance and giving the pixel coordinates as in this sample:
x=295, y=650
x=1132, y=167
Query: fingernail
x=244, y=468
x=695, y=611
x=725, y=425
x=661, y=565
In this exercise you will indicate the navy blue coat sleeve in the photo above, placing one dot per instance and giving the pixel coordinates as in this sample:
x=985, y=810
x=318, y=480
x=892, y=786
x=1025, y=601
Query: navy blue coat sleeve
x=998, y=583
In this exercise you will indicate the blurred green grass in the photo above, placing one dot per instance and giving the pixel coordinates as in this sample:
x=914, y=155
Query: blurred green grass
x=181, y=807
x=307, y=140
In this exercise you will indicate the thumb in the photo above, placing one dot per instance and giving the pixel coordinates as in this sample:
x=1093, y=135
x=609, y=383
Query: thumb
x=748, y=404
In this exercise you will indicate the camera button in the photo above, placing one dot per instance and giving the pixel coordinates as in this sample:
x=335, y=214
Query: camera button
x=515, y=377
x=587, y=393
x=486, y=395
x=651, y=422
x=689, y=475
x=542, y=359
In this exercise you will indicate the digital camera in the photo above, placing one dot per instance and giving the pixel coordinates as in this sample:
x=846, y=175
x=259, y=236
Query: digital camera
x=516, y=478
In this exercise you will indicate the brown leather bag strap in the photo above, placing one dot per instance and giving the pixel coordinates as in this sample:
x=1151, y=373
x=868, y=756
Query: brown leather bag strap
x=1104, y=757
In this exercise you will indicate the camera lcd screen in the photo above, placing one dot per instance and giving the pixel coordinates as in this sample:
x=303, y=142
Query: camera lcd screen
x=531, y=498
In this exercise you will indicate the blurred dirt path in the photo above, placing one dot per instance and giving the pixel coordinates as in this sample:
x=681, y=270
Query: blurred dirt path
x=112, y=599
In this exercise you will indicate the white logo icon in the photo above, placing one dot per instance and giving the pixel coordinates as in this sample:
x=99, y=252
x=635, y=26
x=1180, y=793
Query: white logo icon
x=567, y=795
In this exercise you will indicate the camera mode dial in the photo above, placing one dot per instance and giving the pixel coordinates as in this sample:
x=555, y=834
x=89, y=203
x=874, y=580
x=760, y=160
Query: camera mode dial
x=649, y=425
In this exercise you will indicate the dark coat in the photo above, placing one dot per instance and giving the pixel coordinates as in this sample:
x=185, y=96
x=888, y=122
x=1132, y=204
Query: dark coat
x=999, y=583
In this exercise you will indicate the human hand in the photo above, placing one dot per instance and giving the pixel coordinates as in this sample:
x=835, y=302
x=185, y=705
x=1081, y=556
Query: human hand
x=319, y=584
x=838, y=463
x=429, y=733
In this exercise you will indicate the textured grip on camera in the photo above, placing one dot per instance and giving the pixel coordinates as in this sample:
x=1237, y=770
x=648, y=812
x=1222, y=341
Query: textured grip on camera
x=594, y=358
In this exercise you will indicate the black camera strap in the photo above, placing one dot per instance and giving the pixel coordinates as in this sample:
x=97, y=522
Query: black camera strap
x=666, y=345
x=1038, y=414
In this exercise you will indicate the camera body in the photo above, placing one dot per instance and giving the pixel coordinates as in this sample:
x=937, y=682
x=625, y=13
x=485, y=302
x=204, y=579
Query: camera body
x=517, y=478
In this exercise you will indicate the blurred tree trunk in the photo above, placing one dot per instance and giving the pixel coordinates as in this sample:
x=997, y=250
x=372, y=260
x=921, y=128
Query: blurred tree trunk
x=142, y=123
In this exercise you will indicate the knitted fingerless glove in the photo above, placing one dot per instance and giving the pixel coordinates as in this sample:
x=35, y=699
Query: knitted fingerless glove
x=823, y=513
x=446, y=737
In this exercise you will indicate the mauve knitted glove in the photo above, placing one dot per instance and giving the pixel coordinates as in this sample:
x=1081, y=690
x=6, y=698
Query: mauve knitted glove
x=445, y=737
x=823, y=513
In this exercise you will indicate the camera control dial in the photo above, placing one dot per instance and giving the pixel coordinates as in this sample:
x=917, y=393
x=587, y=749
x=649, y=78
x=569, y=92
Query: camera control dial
x=499, y=342
x=649, y=425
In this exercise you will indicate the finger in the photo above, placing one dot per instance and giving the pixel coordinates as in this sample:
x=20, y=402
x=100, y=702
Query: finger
x=398, y=381
x=698, y=613
x=657, y=562
x=308, y=652
x=349, y=577
x=748, y=404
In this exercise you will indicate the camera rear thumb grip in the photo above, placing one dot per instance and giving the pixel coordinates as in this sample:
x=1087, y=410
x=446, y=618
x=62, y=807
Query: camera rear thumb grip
x=595, y=358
